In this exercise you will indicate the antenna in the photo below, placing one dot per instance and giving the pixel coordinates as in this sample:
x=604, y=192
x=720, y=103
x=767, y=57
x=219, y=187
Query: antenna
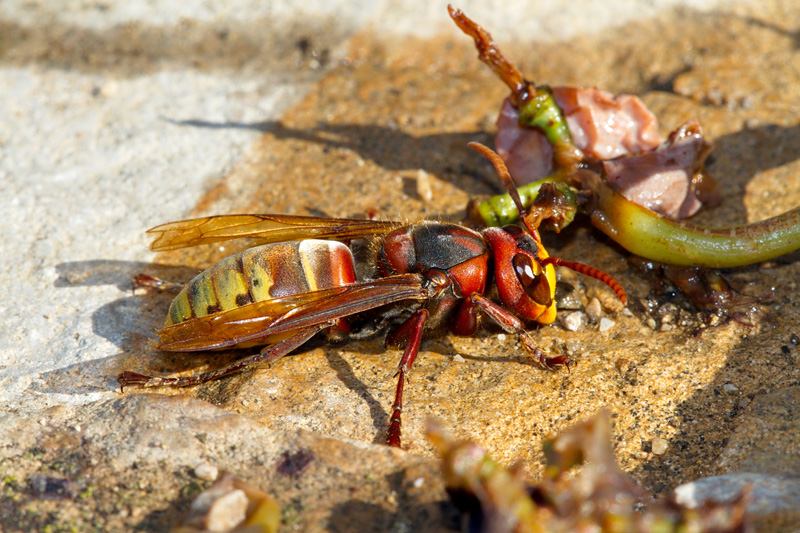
x=586, y=270
x=505, y=177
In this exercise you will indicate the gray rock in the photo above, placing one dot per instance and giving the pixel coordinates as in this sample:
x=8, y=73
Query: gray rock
x=762, y=458
x=774, y=500
x=766, y=436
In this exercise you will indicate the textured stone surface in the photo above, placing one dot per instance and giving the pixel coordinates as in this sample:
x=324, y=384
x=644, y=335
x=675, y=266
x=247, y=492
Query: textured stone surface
x=120, y=464
x=765, y=439
x=763, y=452
x=114, y=120
x=772, y=499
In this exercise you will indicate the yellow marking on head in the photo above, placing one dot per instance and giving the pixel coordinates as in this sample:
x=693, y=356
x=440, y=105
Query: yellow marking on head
x=549, y=314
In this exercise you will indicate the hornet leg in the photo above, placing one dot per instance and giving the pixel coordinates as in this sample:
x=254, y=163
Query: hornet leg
x=416, y=324
x=512, y=324
x=267, y=355
x=145, y=281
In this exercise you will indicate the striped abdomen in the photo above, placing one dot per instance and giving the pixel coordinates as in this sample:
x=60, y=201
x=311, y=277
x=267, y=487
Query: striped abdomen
x=263, y=273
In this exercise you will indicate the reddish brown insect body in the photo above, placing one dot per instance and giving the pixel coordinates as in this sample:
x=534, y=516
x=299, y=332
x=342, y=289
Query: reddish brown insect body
x=426, y=276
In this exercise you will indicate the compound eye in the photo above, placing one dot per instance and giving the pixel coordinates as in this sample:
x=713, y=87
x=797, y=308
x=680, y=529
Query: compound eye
x=535, y=285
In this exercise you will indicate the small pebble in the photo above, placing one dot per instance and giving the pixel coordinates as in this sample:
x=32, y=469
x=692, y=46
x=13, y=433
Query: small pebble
x=743, y=403
x=659, y=445
x=419, y=482
x=730, y=387
x=458, y=359
x=572, y=321
x=227, y=511
x=206, y=472
x=424, y=187
x=606, y=324
x=651, y=323
x=594, y=309
x=666, y=327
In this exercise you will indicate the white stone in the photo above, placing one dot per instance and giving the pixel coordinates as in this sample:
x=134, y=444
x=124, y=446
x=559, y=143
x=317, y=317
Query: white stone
x=606, y=324
x=206, y=472
x=572, y=321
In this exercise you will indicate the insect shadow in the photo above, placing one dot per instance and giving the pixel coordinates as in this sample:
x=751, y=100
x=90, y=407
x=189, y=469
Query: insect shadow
x=130, y=322
x=736, y=159
x=377, y=143
x=137, y=314
x=740, y=156
x=774, y=145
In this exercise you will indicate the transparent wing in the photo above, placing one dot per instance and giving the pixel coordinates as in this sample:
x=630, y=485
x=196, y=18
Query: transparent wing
x=264, y=228
x=261, y=320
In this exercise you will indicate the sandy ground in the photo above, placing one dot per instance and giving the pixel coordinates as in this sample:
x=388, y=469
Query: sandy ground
x=117, y=119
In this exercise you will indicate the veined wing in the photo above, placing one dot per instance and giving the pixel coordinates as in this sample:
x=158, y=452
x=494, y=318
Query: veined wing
x=260, y=320
x=264, y=228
